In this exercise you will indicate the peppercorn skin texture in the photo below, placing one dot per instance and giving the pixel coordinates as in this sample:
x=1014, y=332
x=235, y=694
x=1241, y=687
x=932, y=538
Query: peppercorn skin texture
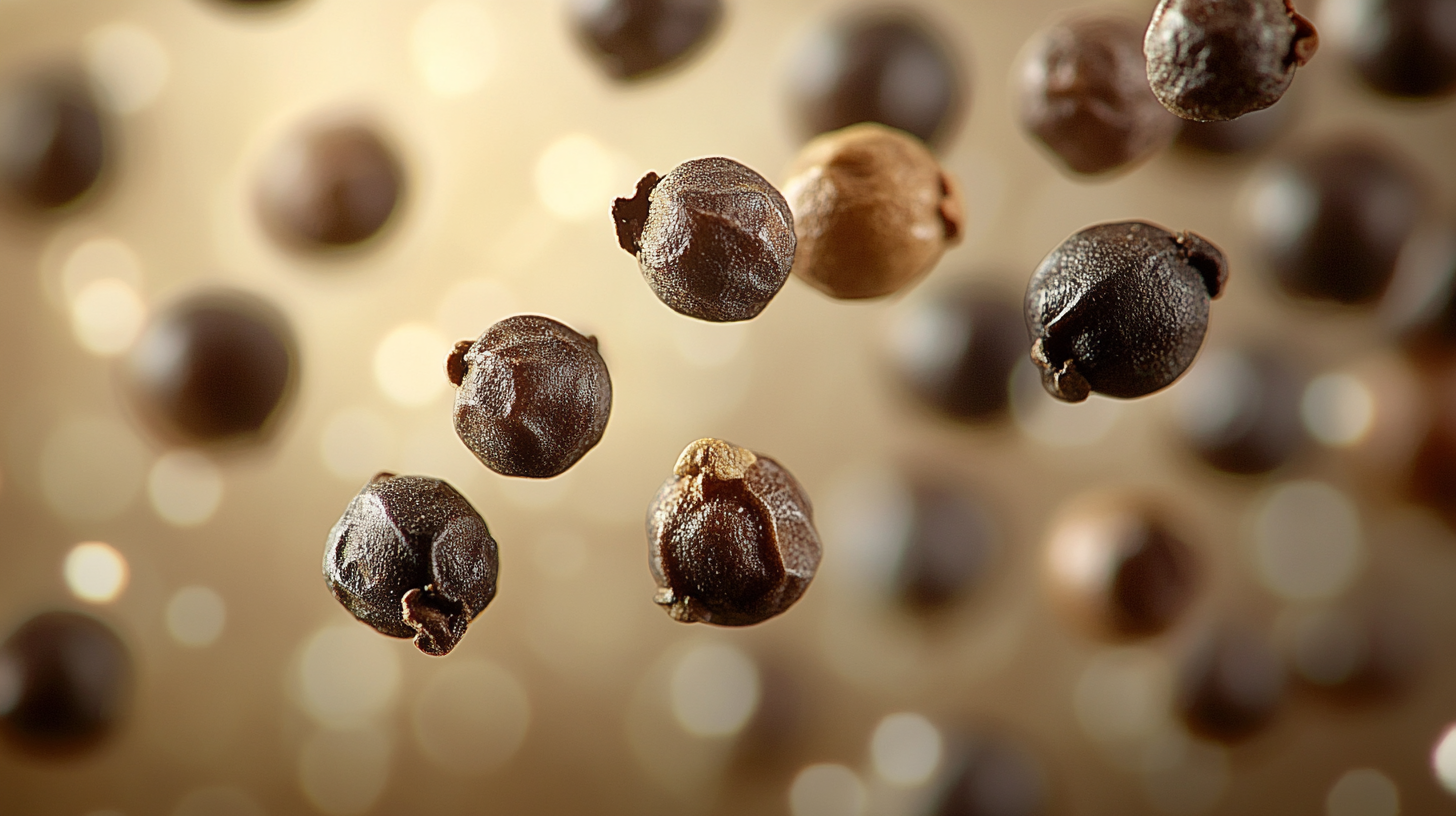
x=1210, y=60
x=74, y=681
x=1084, y=94
x=731, y=537
x=873, y=211
x=1121, y=309
x=713, y=238
x=534, y=396
x=411, y=558
x=633, y=39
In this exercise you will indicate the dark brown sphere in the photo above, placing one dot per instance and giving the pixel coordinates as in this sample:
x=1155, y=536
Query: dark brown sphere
x=66, y=681
x=1402, y=48
x=991, y=774
x=217, y=366
x=631, y=39
x=1239, y=410
x=330, y=187
x=52, y=140
x=1231, y=685
x=950, y=547
x=957, y=349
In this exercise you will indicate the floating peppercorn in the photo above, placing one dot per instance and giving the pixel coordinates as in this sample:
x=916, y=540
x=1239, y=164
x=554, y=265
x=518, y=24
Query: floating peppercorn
x=714, y=239
x=957, y=351
x=65, y=682
x=731, y=537
x=411, y=558
x=950, y=546
x=631, y=39
x=1401, y=48
x=1239, y=410
x=993, y=775
x=1231, y=685
x=873, y=211
x=1220, y=59
x=534, y=396
x=52, y=144
x=330, y=187
x=1084, y=93
x=220, y=365
x=1121, y=309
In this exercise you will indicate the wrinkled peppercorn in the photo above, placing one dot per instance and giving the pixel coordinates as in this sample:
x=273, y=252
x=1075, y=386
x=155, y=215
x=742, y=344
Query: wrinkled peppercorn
x=1220, y=59
x=52, y=144
x=1118, y=568
x=1402, y=48
x=219, y=365
x=330, y=187
x=882, y=65
x=731, y=537
x=1121, y=309
x=1330, y=221
x=950, y=547
x=873, y=211
x=993, y=775
x=65, y=682
x=534, y=396
x=631, y=39
x=1231, y=685
x=1084, y=93
x=411, y=558
x=714, y=239
x=1239, y=411
x=956, y=352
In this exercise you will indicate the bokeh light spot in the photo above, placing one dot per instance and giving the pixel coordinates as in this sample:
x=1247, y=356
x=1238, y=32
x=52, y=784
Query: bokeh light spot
x=196, y=616
x=185, y=488
x=906, y=749
x=96, y=572
x=471, y=716
x=715, y=689
x=409, y=364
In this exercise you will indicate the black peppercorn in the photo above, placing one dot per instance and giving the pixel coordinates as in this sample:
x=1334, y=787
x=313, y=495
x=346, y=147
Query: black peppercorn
x=950, y=547
x=631, y=39
x=1239, y=411
x=1220, y=59
x=65, y=682
x=217, y=366
x=411, y=558
x=534, y=396
x=993, y=775
x=882, y=65
x=731, y=537
x=1231, y=685
x=1084, y=93
x=52, y=144
x=330, y=187
x=956, y=352
x=1121, y=309
x=1401, y=48
x=714, y=239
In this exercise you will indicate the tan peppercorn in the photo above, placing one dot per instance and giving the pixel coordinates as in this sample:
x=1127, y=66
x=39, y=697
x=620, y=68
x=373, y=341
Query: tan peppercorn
x=873, y=211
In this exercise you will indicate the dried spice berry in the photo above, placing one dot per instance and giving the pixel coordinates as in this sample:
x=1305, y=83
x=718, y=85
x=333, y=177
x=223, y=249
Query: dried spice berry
x=1231, y=685
x=950, y=546
x=220, y=365
x=1330, y=221
x=993, y=775
x=1084, y=93
x=714, y=239
x=1220, y=59
x=1117, y=567
x=956, y=351
x=873, y=211
x=330, y=187
x=1121, y=309
x=1401, y=48
x=52, y=144
x=534, y=396
x=631, y=39
x=882, y=65
x=731, y=537
x=1239, y=410
x=66, y=681
x=411, y=558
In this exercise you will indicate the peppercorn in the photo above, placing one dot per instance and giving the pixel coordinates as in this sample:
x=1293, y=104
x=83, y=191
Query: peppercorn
x=412, y=558
x=217, y=366
x=731, y=537
x=534, y=396
x=1400, y=48
x=950, y=547
x=956, y=352
x=1231, y=684
x=1084, y=93
x=881, y=65
x=52, y=143
x=330, y=187
x=66, y=681
x=631, y=39
x=1220, y=59
x=1121, y=309
x=714, y=239
x=992, y=774
x=873, y=211
x=1239, y=411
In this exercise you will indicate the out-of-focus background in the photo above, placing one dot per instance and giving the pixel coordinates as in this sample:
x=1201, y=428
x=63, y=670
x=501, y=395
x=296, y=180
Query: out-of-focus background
x=255, y=692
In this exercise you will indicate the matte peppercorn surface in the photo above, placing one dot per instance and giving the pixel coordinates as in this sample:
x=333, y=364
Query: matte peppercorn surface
x=950, y=547
x=882, y=65
x=956, y=352
x=1231, y=685
x=631, y=39
x=714, y=239
x=1240, y=410
x=1121, y=309
x=412, y=558
x=52, y=144
x=1220, y=59
x=992, y=775
x=1401, y=48
x=731, y=537
x=534, y=396
x=69, y=682
x=1084, y=93
x=332, y=186
x=873, y=211
x=217, y=366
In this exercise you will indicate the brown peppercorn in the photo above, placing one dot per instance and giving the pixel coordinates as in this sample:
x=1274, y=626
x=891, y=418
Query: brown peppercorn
x=1210, y=60
x=632, y=39
x=330, y=187
x=52, y=143
x=873, y=211
x=1231, y=684
x=731, y=537
x=534, y=396
x=1084, y=94
x=714, y=239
